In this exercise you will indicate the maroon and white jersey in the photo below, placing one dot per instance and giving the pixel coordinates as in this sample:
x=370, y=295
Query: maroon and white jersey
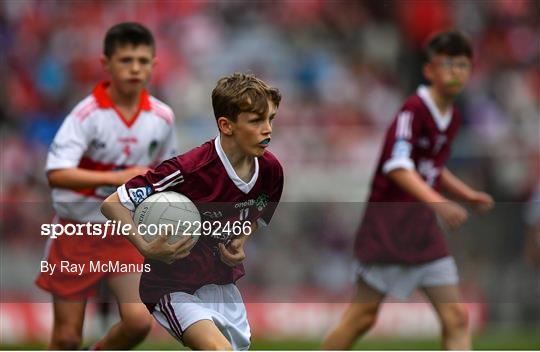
x=396, y=228
x=205, y=176
x=95, y=136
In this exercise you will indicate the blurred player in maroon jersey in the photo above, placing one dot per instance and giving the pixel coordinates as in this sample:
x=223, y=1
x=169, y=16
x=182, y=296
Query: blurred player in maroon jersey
x=112, y=135
x=399, y=244
x=191, y=291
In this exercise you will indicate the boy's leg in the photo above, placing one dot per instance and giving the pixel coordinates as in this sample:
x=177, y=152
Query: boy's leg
x=136, y=321
x=359, y=317
x=205, y=335
x=452, y=314
x=68, y=324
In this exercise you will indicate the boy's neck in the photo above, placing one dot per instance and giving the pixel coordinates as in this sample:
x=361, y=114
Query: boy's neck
x=243, y=165
x=443, y=103
x=127, y=104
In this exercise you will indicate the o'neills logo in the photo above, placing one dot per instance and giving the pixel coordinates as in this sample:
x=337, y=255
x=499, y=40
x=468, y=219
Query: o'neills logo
x=247, y=203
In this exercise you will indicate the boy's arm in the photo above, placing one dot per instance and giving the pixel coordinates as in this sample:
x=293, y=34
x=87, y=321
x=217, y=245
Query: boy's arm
x=411, y=182
x=158, y=249
x=77, y=178
x=458, y=188
x=233, y=254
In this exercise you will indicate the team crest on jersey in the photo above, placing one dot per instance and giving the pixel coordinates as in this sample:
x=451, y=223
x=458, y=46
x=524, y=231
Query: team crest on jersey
x=137, y=195
x=97, y=144
x=262, y=201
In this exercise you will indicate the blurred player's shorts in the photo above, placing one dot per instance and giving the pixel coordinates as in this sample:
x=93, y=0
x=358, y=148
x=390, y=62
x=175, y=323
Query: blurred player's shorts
x=82, y=250
x=399, y=280
x=221, y=304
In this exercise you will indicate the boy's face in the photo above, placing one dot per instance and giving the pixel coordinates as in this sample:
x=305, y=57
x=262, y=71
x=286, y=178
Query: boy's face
x=448, y=74
x=253, y=132
x=130, y=67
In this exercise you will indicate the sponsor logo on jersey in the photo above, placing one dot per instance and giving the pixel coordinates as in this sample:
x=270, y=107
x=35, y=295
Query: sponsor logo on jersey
x=247, y=203
x=137, y=195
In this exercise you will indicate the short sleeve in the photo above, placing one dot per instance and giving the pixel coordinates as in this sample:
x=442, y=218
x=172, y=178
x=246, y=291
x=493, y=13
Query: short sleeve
x=166, y=175
x=399, y=142
x=69, y=144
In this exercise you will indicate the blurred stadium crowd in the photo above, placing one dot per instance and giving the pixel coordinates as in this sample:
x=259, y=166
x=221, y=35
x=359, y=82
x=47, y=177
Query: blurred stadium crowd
x=344, y=68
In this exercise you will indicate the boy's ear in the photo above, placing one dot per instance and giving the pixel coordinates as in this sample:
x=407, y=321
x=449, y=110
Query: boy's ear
x=427, y=70
x=104, y=60
x=225, y=125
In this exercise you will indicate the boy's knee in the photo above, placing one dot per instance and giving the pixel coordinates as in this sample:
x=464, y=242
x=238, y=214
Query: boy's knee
x=138, y=326
x=363, y=319
x=456, y=318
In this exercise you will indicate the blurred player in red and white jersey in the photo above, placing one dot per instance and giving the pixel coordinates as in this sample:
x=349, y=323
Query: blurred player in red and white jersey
x=399, y=244
x=114, y=134
x=191, y=291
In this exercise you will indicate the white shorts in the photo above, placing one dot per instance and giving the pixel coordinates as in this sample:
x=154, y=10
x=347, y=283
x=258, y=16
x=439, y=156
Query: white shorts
x=399, y=280
x=221, y=304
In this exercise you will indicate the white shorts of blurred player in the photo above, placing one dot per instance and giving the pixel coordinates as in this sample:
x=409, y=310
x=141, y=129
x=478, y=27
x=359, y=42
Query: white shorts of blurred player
x=221, y=304
x=400, y=280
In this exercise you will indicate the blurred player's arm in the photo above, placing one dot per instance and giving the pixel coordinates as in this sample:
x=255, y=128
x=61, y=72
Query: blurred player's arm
x=77, y=178
x=113, y=209
x=412, y=183
x=453, y=185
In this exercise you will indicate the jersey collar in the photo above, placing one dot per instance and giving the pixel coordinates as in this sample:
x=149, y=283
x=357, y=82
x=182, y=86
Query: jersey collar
x=243, y=186
x=104, y=101
x=442, y=121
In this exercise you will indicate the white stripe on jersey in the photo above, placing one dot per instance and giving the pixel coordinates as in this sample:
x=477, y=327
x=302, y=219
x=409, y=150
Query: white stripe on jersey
x=174, y=182
x=163, y=180
x=403, y=129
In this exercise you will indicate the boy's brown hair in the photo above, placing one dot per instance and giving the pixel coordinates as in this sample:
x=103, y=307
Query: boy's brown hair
x=242, y=92
x=451, y=43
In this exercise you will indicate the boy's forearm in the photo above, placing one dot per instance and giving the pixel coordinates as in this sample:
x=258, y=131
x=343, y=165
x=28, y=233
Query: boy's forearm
x=77, y=178
x=455, y=186
x=411, y=182
x=113, y=209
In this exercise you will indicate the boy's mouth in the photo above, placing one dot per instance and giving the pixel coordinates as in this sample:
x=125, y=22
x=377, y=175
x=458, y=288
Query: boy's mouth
x=454, y=83
x=264, y=142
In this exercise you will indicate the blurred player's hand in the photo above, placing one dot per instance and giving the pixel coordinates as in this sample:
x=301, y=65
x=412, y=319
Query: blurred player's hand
x=481, y=201
x=232, y=254
x=160, y=250
x=452, y=214
x=121, y=177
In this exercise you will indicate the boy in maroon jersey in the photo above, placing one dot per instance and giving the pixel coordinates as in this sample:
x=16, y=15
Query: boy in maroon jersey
x=399, y=245
x=191, y=291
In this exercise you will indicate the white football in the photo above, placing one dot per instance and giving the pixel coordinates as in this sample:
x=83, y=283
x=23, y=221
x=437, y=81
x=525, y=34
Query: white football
x=167, y=208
